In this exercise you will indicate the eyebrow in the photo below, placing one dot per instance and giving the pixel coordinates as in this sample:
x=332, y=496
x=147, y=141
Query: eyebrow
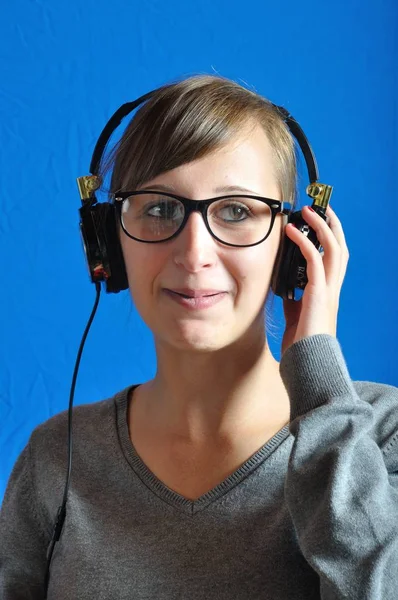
x=225, y=188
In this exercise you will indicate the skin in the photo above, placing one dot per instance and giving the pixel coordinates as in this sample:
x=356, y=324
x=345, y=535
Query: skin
x=217, y=382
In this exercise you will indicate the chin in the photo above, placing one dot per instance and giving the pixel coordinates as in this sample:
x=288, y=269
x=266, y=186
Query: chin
x=198, y=337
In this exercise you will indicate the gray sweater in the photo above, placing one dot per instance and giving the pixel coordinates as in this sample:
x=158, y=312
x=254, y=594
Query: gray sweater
x=311, y=515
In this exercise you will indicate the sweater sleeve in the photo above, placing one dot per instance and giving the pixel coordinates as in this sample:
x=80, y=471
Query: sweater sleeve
x=23, y=539
x=342, y=498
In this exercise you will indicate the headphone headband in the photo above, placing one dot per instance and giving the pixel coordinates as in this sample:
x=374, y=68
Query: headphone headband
x=110, y=127
x=128, y=107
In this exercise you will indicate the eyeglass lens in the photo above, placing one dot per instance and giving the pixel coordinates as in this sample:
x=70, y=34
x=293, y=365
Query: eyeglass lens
x=155, y=217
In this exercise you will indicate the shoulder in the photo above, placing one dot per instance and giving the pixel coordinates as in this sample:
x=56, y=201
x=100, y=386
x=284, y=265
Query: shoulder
x=89, y=422
x=384, y=401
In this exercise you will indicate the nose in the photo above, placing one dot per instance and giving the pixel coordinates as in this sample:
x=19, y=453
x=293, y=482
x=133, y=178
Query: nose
x=195, y=247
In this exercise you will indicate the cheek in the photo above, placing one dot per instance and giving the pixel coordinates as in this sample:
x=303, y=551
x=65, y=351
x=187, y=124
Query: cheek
x=142, y=267
x=256, y=271
x=254, y=276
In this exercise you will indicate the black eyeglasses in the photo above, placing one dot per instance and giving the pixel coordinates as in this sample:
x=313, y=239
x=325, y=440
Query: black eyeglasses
x=235, y=220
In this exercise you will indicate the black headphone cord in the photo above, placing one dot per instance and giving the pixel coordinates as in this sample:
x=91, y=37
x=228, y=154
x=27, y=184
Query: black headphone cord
x=62, y=509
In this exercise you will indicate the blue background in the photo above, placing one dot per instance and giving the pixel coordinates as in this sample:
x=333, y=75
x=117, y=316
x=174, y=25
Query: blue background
x=67, y=66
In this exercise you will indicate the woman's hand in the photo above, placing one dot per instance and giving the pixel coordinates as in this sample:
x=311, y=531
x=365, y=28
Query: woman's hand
x=316, y=312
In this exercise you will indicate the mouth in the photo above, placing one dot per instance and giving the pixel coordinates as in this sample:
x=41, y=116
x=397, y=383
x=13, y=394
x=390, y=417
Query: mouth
x=195, y=293
x=198, y=301
x=186, y=296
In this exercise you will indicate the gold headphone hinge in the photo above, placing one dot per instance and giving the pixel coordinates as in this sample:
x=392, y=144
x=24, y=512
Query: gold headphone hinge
x=87, y=185
x=320, y=193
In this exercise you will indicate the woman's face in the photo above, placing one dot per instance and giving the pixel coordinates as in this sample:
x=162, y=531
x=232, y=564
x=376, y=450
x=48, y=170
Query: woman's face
x=195, y=260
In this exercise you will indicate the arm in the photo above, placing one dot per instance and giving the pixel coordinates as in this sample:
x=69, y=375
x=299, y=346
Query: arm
x=23, y=539
x=342, y=498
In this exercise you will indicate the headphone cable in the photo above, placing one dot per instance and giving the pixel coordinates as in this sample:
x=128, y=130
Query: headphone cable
x=57, y=529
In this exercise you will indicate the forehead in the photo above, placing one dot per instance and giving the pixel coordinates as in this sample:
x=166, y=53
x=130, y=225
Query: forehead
x=246, y=160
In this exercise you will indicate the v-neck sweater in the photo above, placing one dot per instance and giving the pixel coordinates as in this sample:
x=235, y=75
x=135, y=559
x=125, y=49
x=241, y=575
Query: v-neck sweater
x=311, y=515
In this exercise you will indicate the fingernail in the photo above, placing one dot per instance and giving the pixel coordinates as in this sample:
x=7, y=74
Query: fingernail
x=311, y=209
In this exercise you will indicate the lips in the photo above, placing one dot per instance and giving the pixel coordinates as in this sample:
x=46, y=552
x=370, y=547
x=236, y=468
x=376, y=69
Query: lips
x=188, y=293
x=199, y=302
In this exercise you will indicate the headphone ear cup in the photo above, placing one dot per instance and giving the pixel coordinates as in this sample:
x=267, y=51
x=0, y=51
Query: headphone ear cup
x=98, y=228
x=118, y=280
x=289, y=276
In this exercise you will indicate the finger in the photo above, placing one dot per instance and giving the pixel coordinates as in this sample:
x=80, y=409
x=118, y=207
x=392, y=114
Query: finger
x=315, y=265
x=337, y=228
x=333, y=253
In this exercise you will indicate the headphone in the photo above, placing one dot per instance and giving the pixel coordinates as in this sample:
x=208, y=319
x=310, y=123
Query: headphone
x=98, y=224
x=98, y=229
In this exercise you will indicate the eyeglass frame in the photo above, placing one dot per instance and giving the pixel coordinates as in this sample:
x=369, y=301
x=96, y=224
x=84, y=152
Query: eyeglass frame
x=190, y=206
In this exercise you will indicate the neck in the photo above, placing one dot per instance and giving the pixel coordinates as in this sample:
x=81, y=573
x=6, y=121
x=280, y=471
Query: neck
x=218, y=396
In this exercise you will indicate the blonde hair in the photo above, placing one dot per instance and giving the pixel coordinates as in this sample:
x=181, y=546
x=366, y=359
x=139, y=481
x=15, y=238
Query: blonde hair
x=190, y=118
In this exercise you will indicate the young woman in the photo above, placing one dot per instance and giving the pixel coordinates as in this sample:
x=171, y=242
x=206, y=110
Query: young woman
x=229, y=475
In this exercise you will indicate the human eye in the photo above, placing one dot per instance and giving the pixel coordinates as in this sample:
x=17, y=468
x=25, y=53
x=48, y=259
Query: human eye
x=160, y=207
x=233, y=211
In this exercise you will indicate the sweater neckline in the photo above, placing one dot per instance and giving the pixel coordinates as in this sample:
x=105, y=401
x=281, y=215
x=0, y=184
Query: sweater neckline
x=157, y=487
